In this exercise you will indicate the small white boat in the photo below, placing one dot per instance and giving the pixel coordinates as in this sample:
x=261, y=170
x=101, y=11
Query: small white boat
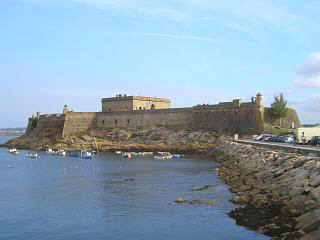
x=33, y=155
x=118, y=152
x=61, y=152
x=87, y=155
x=147, y=153
x=163, y=155
x=126, y=155
x=52, y=151
x=13, y=151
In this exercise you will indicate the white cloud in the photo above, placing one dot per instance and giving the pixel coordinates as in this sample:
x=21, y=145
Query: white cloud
x=308, y=75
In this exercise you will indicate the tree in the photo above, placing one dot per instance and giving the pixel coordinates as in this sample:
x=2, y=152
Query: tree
x=279, y=108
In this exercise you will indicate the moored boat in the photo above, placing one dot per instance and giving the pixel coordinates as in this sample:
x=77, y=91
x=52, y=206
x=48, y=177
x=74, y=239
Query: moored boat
x=33, y=155
x=87, y=155
x=74, y=154
x=13, y=151
x=163, y=155
x=126, y=155
x=177, y=156
x=61, y=152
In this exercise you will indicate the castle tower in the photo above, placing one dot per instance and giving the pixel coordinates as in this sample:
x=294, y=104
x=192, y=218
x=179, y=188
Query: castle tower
x=260, y=105
x=259, y=100
x=65, y=109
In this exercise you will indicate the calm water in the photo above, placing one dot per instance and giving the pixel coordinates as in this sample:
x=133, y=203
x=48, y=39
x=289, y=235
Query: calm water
x=69, y=198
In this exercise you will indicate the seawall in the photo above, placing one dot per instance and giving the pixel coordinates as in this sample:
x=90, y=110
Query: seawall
x=280, y=190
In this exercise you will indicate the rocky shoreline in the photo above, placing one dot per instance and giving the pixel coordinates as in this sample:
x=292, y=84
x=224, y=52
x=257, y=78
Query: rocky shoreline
x=280, y=191
x=146, y=139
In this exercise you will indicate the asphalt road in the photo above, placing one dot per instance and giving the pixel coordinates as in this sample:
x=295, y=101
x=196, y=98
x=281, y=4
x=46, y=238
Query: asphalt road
x=287, y=146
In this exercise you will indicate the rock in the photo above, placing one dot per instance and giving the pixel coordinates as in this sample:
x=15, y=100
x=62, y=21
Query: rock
x=315, y=235
x=299, y=163
x=87, y=138
x=204, y=188
x=316, y=182
x=309, y=223
x=315, y=193
x=129, y=180
x=198, y=201
x=211, y=202
x=181, y=201
x=240, y=199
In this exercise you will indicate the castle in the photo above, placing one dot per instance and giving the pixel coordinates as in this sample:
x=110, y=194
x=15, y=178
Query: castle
x=125, y=111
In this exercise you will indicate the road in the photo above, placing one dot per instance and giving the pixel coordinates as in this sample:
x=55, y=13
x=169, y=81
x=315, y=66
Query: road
x=303, y=149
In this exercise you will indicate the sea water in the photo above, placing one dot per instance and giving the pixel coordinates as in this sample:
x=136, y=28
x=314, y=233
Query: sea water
x=111, y=197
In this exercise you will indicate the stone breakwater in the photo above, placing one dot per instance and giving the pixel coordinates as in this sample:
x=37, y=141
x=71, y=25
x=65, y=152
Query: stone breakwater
x=280, y=190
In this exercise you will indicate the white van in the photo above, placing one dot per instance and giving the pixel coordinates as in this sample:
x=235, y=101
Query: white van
x=304, y=135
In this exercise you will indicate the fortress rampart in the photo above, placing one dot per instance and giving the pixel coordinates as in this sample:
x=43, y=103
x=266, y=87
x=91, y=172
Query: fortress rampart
x=230, y=117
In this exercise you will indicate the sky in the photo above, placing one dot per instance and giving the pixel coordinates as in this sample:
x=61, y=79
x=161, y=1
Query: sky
x=75, y=52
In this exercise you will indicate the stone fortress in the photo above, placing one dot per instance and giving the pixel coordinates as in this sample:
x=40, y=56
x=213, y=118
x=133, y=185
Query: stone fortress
x=125, y=111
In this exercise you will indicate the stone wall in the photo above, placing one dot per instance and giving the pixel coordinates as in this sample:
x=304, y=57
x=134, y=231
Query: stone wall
x=117, y=105
x=243, y=120
x=285, y=122
x=130, y=103
x=50, y=124
x=78, y=122
x=175, y=117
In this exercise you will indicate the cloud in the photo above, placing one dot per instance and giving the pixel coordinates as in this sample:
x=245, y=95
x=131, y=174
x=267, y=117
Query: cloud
x=308, y=75
x=246, y=16
x=167, y=35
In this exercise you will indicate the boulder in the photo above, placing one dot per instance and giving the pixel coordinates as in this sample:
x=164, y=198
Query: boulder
x=309, y=223
x=315, y=235
x=315, y=182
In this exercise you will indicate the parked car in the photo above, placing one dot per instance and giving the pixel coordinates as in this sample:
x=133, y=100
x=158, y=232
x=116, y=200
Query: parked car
x=260, y=137
x=315, y=140
x=289, y=139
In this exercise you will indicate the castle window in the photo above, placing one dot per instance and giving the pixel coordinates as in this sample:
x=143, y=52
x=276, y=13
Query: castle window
x=128, y=121
x=109, y=109
x=116, y=121
x=140, y=108
x=103, y=122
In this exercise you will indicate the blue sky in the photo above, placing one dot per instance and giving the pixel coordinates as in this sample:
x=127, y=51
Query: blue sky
x=54, y=52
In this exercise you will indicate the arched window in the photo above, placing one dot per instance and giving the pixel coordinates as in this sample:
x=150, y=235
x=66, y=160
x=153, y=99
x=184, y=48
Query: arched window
x=116, y=121
x=153, y=106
